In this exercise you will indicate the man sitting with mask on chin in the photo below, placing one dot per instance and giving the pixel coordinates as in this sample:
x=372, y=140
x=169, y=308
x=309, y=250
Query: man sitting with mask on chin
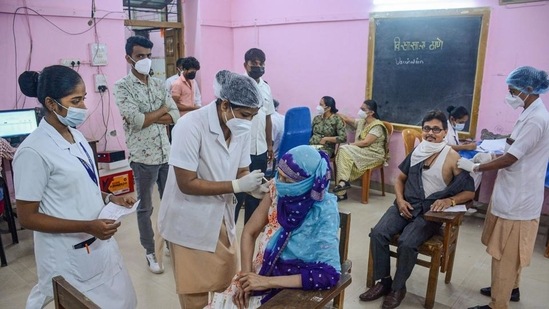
x=429, y=180
x=208, y=164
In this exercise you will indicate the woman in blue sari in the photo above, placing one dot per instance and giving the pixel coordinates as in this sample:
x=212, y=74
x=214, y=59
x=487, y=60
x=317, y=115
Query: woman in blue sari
x=299, y=221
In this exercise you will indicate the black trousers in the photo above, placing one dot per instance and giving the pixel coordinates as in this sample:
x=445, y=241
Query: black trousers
x=413, y=233
x=259, y=162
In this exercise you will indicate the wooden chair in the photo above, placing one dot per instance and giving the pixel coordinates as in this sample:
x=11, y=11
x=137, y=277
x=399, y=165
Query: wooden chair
x=409, y=137
x=441, y=248
x=368, y=174
x=301, y=299
x=68, y=297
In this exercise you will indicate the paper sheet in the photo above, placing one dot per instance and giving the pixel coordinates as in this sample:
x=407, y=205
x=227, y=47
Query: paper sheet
x=457, y=208
x=116, y=212
x=492, y=145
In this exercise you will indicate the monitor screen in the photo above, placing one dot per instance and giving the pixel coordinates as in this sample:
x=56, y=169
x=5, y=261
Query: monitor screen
x=18, y=122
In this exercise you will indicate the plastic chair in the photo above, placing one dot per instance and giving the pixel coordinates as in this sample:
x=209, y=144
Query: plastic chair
x=368, y=174
x=297, y=129
x=409, y=137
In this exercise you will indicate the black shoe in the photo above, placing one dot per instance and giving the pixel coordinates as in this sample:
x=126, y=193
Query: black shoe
x=346, y=186
x=341, y=197
x=480, y=307
x=515, y=294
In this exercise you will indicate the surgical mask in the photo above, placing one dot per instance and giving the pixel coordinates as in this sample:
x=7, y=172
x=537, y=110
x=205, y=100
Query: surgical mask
x=238, y=126
x=320, y=110
x=514, y=101
x=143, y=66
x=256, y=72
x=362, y=114
x=459, y=126
x=191, y=75
x=75, y=116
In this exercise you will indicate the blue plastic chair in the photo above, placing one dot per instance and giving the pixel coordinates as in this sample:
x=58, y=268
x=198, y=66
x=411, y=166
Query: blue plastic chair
x=297, y=129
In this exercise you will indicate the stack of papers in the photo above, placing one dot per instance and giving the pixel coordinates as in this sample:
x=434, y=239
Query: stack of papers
x=457, y=208
x=115, y=212
x=492, y=145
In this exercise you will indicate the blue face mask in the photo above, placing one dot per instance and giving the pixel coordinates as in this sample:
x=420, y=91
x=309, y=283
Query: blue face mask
x=293, y=189
x=75, y=116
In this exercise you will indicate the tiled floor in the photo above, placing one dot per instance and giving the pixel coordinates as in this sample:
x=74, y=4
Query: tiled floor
x=471, y=269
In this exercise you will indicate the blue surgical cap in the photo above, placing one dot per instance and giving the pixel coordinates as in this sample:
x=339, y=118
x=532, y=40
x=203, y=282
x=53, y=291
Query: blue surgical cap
x=523, y=77
x=238, y=89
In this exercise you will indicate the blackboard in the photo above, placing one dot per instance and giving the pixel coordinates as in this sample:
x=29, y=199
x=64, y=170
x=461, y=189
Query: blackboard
x=424, y=60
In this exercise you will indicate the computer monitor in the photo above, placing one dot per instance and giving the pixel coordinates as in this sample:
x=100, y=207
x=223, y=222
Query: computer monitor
x=17, y=124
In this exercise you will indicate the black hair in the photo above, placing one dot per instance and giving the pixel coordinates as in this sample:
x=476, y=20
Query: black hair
x=457, y=112
x=233, y=106
x=372, y=105
x=438, y=115
x=275, y=103
x=139, y=41
x=254, y=54
x=190, y=63
x=56, y=82
x=331, y=103
x=179, y=62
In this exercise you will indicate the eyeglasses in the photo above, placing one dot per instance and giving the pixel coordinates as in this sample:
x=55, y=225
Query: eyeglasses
x=435, y=130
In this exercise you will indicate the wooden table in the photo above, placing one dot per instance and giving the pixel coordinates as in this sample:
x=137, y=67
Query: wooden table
x=301, y=299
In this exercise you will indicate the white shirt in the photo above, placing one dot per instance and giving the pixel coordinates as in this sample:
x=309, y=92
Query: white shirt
x=197, y=95
x=452, y=137
x=258, y=139
x=277, y=120
x=47, y=169
x=519, y=189
x=194, y=221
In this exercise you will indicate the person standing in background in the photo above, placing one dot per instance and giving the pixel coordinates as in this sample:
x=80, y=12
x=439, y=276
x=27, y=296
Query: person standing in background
x=146, y=109
x=277, y=120
x=58, y=197
x=184, y=90
x=512, y=218
x=261, y=140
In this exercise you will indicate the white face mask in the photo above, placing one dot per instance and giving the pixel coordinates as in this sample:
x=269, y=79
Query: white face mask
x=320, y=110
x=514, y=101
x=238, y=126
x=362, y=114
x=143, y=66
x=459, y=126
x=75, y=116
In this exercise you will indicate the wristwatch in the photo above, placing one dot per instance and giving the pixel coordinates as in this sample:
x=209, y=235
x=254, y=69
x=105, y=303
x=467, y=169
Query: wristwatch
x=108, y=198
x=453, y=202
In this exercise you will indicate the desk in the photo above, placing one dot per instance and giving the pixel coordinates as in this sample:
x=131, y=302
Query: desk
x=301, y=299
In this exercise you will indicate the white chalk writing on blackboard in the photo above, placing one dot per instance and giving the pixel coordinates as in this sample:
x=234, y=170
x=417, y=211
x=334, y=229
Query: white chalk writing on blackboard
x=416, y=45
x=399, y=61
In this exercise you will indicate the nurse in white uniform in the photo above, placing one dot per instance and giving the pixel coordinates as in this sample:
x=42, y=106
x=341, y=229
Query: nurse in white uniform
x=209, y=162
x=457, y=117
x=58, y=197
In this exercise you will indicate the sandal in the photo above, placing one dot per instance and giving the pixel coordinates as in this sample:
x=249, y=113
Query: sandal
x=346, y=186
x=341, y=197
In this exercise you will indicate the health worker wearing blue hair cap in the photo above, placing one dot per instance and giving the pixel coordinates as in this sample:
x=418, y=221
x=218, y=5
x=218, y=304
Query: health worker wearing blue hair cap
x=209, y=162
x=512, y=221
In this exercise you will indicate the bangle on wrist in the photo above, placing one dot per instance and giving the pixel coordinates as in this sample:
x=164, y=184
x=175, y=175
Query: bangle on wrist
x=108, y=198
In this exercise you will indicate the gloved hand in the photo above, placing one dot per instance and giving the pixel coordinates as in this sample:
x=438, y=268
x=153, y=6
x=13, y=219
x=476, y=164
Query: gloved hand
x=248, y=183
x=260, y=191
x=466, y=165
x=482, y=157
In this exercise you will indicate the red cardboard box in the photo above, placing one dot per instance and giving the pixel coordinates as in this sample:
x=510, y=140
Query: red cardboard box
x=117, y=182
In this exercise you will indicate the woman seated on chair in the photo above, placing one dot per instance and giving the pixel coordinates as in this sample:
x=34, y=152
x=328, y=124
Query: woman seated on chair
x=328, y=127
x=369, y=150
x=457, y=117
x=297, y=224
